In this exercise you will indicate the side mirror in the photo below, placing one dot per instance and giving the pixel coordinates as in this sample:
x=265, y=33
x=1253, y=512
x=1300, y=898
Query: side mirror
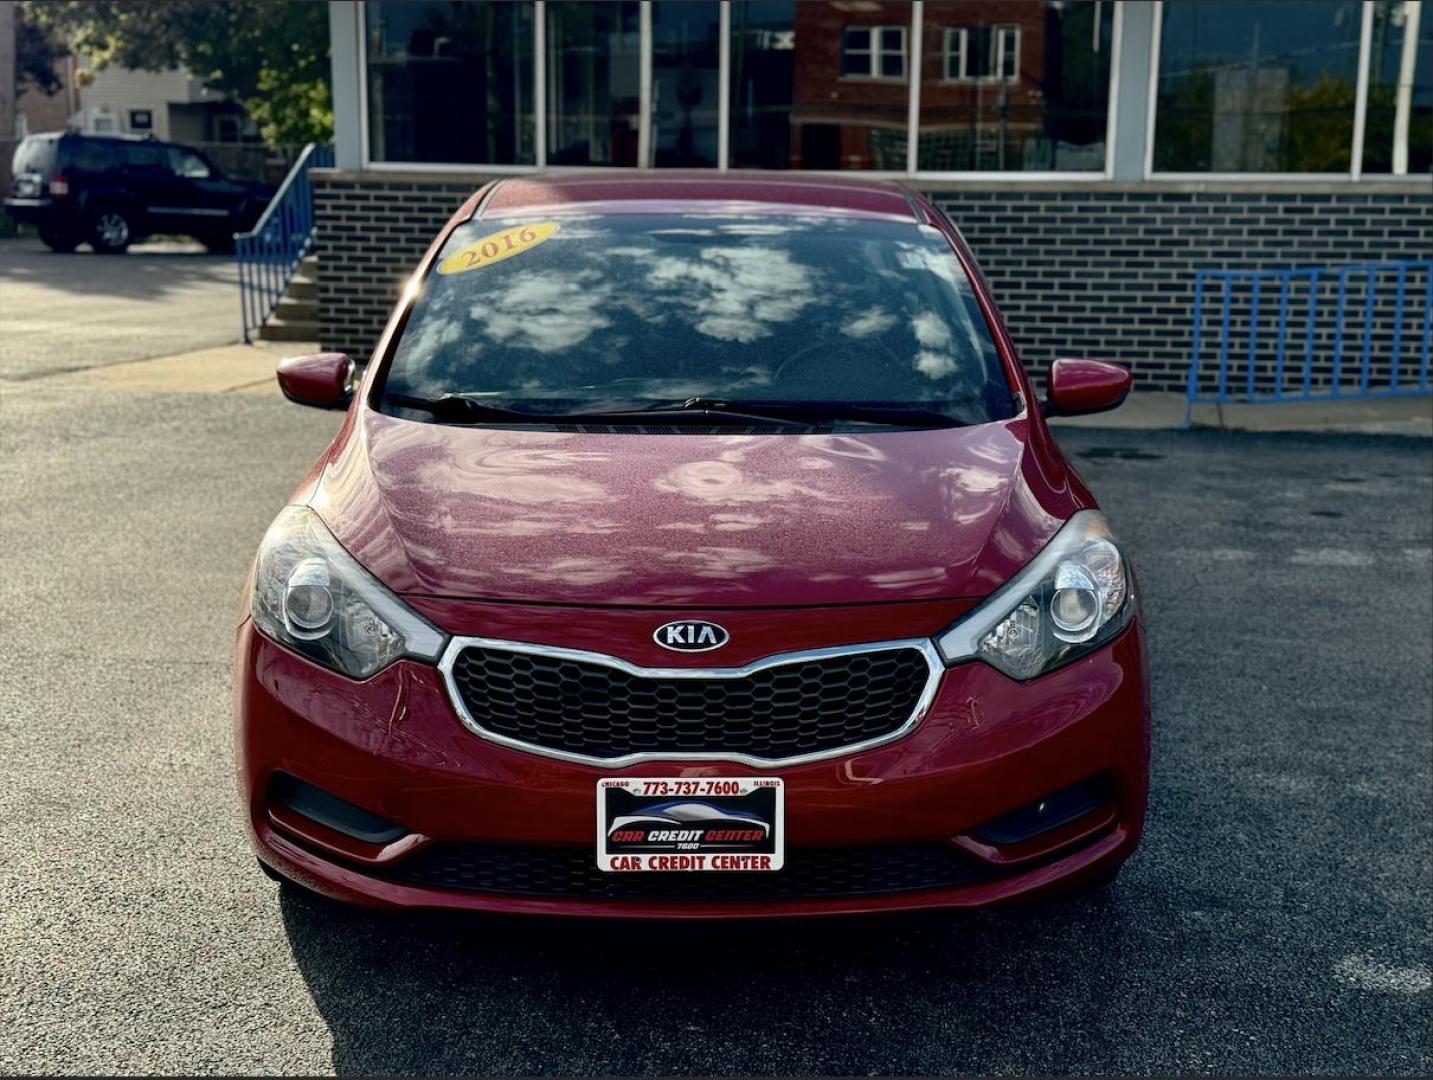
x=322, y=380
x=1076, y=387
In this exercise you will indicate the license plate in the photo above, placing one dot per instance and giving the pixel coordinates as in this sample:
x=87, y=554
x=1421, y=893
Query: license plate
x=662, y=823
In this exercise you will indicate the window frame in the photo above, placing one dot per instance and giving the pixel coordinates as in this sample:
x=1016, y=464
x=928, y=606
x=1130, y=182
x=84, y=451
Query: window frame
x=539, y=106
x=1000, y=34
x=1354, y=173
x=176, y=154
x=911, y=35
x=876, y=52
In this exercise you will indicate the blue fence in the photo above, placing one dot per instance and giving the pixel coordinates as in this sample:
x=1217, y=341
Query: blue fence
x=269, y=255
x=1311, y=334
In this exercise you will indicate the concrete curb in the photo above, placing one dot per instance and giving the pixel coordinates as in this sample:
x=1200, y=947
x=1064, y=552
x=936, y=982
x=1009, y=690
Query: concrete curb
x=226, y=369
x=1163, y=411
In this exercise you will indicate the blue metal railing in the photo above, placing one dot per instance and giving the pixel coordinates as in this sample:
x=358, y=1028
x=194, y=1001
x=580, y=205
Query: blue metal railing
x=269, y=255
x=1311, y=334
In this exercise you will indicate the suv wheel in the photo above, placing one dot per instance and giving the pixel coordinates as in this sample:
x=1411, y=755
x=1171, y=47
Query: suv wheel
x=61, y=240
x=110, y=230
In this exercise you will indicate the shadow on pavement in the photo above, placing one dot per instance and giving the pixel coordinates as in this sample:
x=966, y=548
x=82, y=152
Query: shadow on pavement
x=928, y=992
x=146, y=271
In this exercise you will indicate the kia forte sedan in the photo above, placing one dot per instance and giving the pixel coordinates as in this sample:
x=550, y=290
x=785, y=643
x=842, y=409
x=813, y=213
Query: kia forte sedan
x=693, y=547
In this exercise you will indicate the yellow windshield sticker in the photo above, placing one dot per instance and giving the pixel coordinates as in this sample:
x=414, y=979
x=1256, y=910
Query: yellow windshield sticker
x=498, y=246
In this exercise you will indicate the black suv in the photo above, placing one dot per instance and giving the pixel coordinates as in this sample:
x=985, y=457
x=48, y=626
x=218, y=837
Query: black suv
x=112, y=190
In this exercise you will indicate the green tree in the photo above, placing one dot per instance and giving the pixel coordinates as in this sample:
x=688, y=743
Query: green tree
x=1319, y=126
x=36, y=54
x=269, y=55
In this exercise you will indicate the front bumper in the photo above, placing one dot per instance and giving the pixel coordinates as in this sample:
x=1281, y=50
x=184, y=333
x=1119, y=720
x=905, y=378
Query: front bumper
x=394, y=746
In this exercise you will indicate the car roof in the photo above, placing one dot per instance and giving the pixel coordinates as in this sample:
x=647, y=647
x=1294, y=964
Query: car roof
x=108, y=136
x=676, y=191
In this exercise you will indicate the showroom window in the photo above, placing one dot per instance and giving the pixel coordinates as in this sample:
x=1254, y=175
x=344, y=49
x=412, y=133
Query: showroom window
x=450, y=82
x=802, y=91
x=979, y=53
x=874, y=52
x=686, y=84
x=594, y=59
x=1022, y=87
x=1257, y=86
x=1027, y=93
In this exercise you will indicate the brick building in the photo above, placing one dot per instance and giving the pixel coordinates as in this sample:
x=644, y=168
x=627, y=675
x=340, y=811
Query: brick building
x=1094, y=152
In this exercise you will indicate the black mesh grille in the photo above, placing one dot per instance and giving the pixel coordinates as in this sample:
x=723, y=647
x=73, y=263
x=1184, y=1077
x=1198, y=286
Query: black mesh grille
x=807, y=873
x=603, y=712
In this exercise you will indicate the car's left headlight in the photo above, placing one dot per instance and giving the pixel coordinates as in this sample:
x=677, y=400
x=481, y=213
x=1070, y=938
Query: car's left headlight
x=1068, y=600
x=313, y=596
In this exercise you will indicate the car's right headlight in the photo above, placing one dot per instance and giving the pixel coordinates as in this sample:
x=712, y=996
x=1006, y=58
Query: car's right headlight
x=1068, y=600
x=313, y=596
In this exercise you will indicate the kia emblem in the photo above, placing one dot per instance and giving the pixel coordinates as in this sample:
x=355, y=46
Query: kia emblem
x=691, y=635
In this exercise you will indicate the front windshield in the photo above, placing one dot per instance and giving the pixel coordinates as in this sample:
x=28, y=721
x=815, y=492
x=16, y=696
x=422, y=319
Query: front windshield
x=564, y=314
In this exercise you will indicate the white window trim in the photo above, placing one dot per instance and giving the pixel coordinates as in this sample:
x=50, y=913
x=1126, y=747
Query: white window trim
x=1112, y=112
x=1354, y=175
x=1000, y=33
x=646, y=149
x=913, y=91
x=953, y=33
x=877, y=53
x=724, y=89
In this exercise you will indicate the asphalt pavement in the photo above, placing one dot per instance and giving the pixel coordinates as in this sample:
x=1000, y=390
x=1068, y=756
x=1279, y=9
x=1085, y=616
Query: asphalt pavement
x=1276, y=920
x=69, y=312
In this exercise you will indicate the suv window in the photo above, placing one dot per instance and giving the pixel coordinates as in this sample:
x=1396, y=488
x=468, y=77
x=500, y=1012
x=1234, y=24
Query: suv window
x=187, y=163
x=628, y=311
x=33, y=155
x=87, y=155
x=141, y=156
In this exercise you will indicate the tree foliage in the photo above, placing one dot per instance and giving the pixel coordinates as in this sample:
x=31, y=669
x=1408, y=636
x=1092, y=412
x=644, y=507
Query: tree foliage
x=36, y=53
x=269, y=55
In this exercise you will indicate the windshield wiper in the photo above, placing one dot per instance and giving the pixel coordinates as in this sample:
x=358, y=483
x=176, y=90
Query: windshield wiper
x=456, y=408
x=817, y=412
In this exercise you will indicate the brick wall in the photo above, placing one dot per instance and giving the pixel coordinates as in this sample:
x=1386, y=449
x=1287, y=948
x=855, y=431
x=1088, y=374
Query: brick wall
x=371, y=233
x=1111, y=274
x=1080, y=272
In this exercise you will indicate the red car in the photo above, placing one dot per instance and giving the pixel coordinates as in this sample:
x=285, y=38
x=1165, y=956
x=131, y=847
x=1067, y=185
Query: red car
x=693, y=546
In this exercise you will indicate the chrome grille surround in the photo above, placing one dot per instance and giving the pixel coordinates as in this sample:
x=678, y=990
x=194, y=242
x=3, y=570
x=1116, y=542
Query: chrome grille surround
x=924, y=646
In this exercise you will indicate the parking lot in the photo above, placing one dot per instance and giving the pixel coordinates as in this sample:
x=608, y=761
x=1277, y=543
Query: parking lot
x=69, y=312
x=1276, y=920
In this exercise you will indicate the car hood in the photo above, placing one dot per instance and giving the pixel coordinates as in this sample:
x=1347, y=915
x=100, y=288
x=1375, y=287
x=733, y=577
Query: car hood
x=690, y=520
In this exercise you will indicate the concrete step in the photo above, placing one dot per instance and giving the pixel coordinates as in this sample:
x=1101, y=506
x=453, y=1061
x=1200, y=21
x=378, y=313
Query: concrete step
x=308, y=266
x=303, y=288
x=284, y=330
x=295, y=309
